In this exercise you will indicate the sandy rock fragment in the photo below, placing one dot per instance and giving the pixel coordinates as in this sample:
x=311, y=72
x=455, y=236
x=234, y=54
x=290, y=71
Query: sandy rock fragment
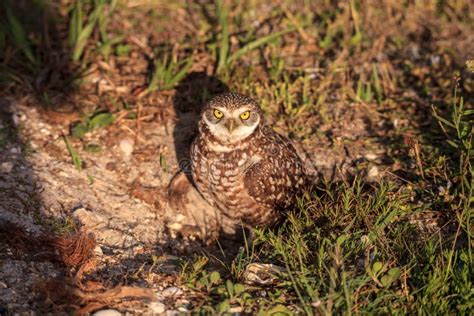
x=373, y=173
x=157, y=307
x=370, y=156
x=262, y=273
x=107, y=312
x=172, y=291
x=88, y=218
x=126, y=146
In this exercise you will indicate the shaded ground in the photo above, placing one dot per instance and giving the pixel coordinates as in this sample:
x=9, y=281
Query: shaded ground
x=354, y=97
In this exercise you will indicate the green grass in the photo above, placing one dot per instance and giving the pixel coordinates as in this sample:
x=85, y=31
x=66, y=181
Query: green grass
x=226, y=59
x=80, y=31
x=168, y=72
x=353, y=250
x=76, y=160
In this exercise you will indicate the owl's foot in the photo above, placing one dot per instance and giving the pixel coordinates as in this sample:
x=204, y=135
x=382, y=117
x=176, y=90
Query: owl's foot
x=177, y=191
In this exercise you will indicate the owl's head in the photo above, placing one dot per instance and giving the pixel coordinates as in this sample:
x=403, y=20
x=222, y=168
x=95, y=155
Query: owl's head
x=231, y=117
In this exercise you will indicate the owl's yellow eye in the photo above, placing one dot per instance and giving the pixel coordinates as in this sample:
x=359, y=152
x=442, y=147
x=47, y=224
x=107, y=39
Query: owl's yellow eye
x=245, y=115
x=218, y=114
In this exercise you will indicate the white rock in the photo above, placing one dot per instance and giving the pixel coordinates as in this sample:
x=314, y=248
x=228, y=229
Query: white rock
x=45, y=131
x=88, y=218
x=157, y=307
x=16, y=119
x=175, y=226
x=371, y=156
x=107, y=312
x=262, y=273
x=236, y=310
x=126, y=146
x=172, y=291
x=316, y=303
x=98, y=251
x=6, y=167
x=373, y=173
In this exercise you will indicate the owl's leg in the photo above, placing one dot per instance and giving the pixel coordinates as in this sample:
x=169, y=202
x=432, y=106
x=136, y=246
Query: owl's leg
x=238, y=231
x=248, y=234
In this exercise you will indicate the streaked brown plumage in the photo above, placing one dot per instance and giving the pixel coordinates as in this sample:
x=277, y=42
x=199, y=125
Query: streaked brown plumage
x=248, y=172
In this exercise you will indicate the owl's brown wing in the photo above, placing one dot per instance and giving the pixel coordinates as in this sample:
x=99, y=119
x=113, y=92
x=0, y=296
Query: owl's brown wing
x=276, y=179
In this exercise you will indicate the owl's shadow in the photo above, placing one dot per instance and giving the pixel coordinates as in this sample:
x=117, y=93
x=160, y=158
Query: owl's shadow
x=192, y=93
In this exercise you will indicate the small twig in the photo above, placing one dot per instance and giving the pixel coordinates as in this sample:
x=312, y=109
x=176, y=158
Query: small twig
x=128, y=129
x=139, y=112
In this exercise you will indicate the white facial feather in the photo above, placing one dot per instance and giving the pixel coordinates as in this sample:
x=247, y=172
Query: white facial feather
x=222, y=133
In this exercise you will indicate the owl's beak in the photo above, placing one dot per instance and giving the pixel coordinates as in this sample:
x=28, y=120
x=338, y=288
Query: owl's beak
x=230, y=125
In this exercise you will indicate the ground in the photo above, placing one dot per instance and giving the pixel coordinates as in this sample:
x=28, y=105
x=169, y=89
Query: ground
x=99, y=104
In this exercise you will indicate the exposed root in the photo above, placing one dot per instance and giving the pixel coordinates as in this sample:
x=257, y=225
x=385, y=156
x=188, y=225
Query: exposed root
x=74, y=250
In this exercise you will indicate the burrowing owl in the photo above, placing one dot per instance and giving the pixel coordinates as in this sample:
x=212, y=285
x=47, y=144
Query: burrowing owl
x=241, y=166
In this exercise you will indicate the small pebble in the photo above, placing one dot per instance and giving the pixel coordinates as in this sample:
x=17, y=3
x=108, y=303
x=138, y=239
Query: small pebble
x=126, y=146
x=98, y=251
x=175, y=226
x=373, y=173
x=171, y=291
x=6, y=167
x=371, y=156
x=236, y=310
x=157, y=307
x=44, y=131
x=16, y=119
x=183, y=309
x=107, y=312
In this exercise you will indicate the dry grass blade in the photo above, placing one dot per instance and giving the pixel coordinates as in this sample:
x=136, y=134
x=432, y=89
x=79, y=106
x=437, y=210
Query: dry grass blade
x=20, y=241
x=66, y=295
x=94, y=300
